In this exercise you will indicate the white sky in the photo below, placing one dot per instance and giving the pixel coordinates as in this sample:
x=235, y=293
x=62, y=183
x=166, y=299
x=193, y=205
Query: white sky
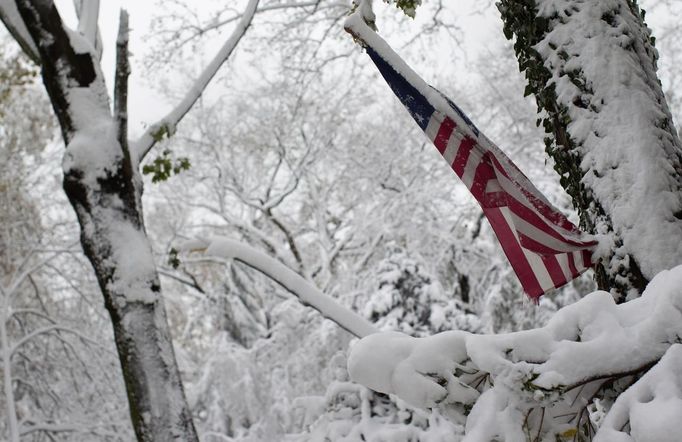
x=146, y=104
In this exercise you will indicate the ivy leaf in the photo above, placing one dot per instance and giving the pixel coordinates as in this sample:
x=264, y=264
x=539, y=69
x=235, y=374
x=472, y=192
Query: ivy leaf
x=163, y=166
x=409, y=7
x=173, y=259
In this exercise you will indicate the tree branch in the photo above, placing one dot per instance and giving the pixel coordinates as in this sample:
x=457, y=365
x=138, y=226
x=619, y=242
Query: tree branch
x=9, y=15
x=535, y=368
x=294, y=283
x=167, y=125
x=63, y=67
x=88, y=16
x=48, y=329
x=121, y=84
x=190, y=283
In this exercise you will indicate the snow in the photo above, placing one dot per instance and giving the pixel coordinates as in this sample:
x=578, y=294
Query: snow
x=273, y=380
x=93, y=150
x=79, y=41
x=412, y=301
x=591, y=339
x=135, y=267
x=394, y=363
x=652, y=407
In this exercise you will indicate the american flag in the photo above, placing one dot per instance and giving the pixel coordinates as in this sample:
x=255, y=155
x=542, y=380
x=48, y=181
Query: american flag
x=544, y=248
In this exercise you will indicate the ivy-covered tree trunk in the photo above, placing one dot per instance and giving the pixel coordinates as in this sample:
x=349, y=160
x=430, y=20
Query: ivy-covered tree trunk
x=591, y=65
x=104, y=187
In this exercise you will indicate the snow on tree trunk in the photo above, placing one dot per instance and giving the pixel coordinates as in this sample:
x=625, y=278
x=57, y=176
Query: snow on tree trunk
x=592, y=68
x=105, y=188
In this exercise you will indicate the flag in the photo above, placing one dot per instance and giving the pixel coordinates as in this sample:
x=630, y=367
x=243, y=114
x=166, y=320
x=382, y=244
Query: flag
x=544, y=248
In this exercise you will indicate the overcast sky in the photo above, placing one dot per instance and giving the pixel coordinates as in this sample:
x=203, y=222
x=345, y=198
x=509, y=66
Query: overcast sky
x=146, y=105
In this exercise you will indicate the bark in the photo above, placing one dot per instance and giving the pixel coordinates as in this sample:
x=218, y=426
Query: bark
x=105, y=190
x=551, y=61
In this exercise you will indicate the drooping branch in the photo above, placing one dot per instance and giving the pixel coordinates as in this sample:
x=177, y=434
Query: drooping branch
x=166, y=126
x=584, y=346
x=298, y=286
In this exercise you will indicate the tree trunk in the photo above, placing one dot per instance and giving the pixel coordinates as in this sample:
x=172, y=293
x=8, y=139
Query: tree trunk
x=592, y=68
x=105, y=188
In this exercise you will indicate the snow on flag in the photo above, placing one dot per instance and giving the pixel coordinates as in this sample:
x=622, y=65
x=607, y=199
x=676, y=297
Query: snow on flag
x=544, y=248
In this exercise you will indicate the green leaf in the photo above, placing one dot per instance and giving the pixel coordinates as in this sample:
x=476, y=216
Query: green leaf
x=163, y=166
x=173, y=259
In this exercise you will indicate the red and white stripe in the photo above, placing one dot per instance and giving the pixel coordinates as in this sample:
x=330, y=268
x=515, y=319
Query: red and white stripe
x=544, y=247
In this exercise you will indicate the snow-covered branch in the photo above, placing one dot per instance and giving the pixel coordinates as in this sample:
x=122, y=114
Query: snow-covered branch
x=88, y=16
x=246, y=229
x=585, y=346
x=294, y=283
x=87, y=12
x=650, y=408
x=167, y=125
x=16, y=27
